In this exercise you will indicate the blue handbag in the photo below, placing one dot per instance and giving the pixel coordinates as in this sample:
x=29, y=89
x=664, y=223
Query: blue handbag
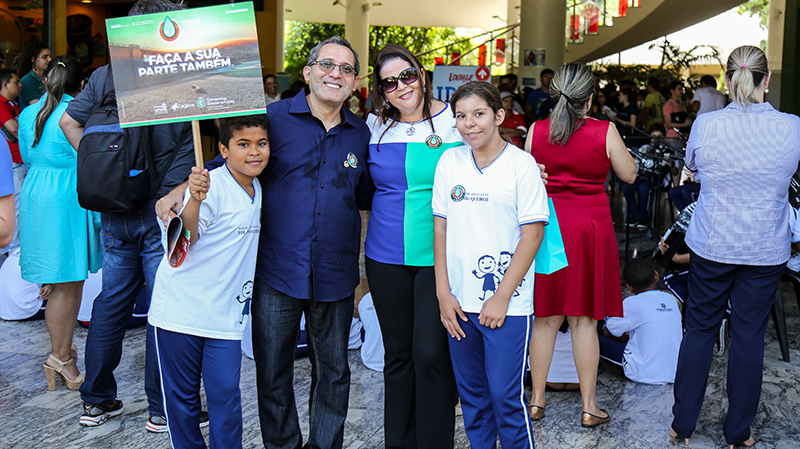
x=551, y=256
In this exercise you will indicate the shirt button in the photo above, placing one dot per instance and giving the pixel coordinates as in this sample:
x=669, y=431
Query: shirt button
x=319, y=212
x=323, y=186
x=316, y=239
x=324, y=160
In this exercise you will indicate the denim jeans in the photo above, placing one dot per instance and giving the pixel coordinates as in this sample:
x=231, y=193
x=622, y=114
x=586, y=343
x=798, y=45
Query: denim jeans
x=132, y=252
x=276, y=329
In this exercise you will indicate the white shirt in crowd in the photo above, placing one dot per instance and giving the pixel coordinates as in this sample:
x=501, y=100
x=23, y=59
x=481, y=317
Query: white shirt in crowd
x=484, y=209
x=189, y=300
x=710, y=99
x=372, y=349
x=19, y=299
x=653, y=322
x=562, y=366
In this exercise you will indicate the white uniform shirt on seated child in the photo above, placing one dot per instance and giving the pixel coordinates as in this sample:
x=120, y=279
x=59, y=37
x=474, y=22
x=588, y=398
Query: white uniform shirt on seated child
x=210, y=294
x=653, y=321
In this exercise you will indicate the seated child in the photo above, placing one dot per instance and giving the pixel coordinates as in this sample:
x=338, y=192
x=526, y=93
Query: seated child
x=653, y=321
x=563, y=374
x=200, y=309
x=19, y=299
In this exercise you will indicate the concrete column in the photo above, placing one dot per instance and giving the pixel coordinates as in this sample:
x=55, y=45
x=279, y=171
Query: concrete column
x=543, y=24
x=512, y=50
x=55, y=13
x=775, y=24
x=280, y=39
x=356, y=31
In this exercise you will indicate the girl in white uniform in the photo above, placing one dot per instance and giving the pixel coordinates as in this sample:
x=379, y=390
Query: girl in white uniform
x=489, y=204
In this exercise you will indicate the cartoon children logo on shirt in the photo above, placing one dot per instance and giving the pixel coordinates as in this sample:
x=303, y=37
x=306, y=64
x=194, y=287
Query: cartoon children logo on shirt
x=245, y=298
x=487, y=265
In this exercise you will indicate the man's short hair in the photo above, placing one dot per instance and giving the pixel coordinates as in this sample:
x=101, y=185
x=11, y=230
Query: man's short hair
x=154, y=6
x=654, y=82
x=228, y=126
x=639, y=274
x=269, y=76
x=508, y=77
x=708, y=80
x=546, y=72
x=6, y=75
x=313, y=55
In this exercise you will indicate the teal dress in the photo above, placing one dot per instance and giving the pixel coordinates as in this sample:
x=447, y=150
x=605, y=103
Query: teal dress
x=59, y=240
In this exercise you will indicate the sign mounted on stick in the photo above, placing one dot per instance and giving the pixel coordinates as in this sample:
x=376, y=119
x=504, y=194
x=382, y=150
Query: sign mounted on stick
x=186, y=65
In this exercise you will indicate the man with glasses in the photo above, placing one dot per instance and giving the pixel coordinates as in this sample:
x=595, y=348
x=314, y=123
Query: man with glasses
x=315, y=183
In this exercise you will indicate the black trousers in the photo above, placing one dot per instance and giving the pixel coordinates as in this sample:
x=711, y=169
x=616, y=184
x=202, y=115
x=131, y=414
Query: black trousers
x=420, y=388
x=752, y=291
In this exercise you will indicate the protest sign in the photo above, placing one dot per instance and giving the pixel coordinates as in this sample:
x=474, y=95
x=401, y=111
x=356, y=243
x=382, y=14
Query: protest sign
x=186, y=65
x=447, y=78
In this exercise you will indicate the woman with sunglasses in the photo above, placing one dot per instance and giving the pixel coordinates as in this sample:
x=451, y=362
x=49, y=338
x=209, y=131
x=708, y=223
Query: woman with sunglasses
x=410, y=131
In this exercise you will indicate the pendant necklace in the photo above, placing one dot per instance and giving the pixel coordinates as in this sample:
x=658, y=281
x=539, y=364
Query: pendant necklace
x=410, y=131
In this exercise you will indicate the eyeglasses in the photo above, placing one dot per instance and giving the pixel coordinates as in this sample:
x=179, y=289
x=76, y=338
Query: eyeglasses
x=328, y=66
x=407, y=76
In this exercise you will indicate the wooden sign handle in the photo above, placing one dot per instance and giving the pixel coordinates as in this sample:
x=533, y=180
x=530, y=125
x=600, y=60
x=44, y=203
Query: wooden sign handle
x=198, y=146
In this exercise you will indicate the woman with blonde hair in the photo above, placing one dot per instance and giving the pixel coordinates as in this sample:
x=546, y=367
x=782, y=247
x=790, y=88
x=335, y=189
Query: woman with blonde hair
x=578, y=152
x=744, y=157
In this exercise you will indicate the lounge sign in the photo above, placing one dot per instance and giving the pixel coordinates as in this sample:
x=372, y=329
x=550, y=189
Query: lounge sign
x=186, y=65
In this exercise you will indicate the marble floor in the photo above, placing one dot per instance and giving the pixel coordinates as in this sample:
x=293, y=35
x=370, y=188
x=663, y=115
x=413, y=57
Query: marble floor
x=36, y=418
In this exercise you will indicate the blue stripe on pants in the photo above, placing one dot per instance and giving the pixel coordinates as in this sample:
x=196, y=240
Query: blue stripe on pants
x=490, y=366
x=752, y=291
x=182, y=359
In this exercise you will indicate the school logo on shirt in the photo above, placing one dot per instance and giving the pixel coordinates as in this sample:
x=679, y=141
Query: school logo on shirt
x=664, y=308
x=433, y=141
x=458, y=193
x=351, y=161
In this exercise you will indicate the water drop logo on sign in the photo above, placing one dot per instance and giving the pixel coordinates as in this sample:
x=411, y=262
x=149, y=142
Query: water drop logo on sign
x=168, y=30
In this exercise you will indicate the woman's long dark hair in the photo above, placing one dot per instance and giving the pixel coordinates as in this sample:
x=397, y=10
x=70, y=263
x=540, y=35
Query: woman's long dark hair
x=63, y=75
x=380, y=105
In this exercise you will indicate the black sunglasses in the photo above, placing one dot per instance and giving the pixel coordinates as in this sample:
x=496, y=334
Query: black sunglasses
x=407, y=76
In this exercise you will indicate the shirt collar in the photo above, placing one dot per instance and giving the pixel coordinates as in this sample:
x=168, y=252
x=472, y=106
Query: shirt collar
x=6, y=100
x=300, y=106
x=33, y=74
x=753, y=107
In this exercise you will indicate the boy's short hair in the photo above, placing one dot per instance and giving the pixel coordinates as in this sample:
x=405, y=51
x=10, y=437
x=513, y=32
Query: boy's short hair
x=639, y=274
x=228, y=126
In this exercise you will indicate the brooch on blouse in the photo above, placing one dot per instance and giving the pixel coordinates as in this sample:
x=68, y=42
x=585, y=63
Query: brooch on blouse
x=351, y=161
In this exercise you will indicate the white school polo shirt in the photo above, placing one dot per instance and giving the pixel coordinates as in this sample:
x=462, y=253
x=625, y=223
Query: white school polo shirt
x=484, y=209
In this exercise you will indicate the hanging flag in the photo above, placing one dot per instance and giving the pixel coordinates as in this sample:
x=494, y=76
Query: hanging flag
x=500, y=51
x=482, y=55
x=454, y=59
x=438, y=60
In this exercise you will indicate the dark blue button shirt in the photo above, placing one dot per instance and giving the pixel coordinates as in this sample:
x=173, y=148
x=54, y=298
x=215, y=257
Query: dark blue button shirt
x=313, y=187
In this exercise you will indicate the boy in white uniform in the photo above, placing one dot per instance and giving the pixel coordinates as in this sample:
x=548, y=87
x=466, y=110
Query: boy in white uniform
x=653, y=321
x=489, y=204
x=200, y=308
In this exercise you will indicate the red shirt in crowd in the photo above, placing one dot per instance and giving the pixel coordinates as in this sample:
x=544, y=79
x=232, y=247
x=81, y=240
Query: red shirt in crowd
x=515, y=121
x=9, y=110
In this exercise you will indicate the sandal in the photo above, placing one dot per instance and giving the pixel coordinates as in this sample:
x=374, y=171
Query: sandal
x=51, y=371
x=674, y=434
x=536, y=412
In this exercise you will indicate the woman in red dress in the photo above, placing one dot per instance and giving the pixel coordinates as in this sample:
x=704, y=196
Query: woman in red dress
x=577, y=152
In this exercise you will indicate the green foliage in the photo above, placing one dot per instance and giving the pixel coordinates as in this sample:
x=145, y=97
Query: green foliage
x=673, y=63
x=758, y=8
x=302, y=36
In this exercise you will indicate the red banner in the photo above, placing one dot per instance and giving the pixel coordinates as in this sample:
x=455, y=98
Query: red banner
x=500, y=51
x=482, y=55
x=454, y=59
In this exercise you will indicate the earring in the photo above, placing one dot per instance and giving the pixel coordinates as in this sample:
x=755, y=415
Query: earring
x=386, y=104
x=424, y=89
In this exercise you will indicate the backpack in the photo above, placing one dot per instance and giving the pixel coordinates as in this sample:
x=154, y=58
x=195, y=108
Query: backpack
x=116, y=167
